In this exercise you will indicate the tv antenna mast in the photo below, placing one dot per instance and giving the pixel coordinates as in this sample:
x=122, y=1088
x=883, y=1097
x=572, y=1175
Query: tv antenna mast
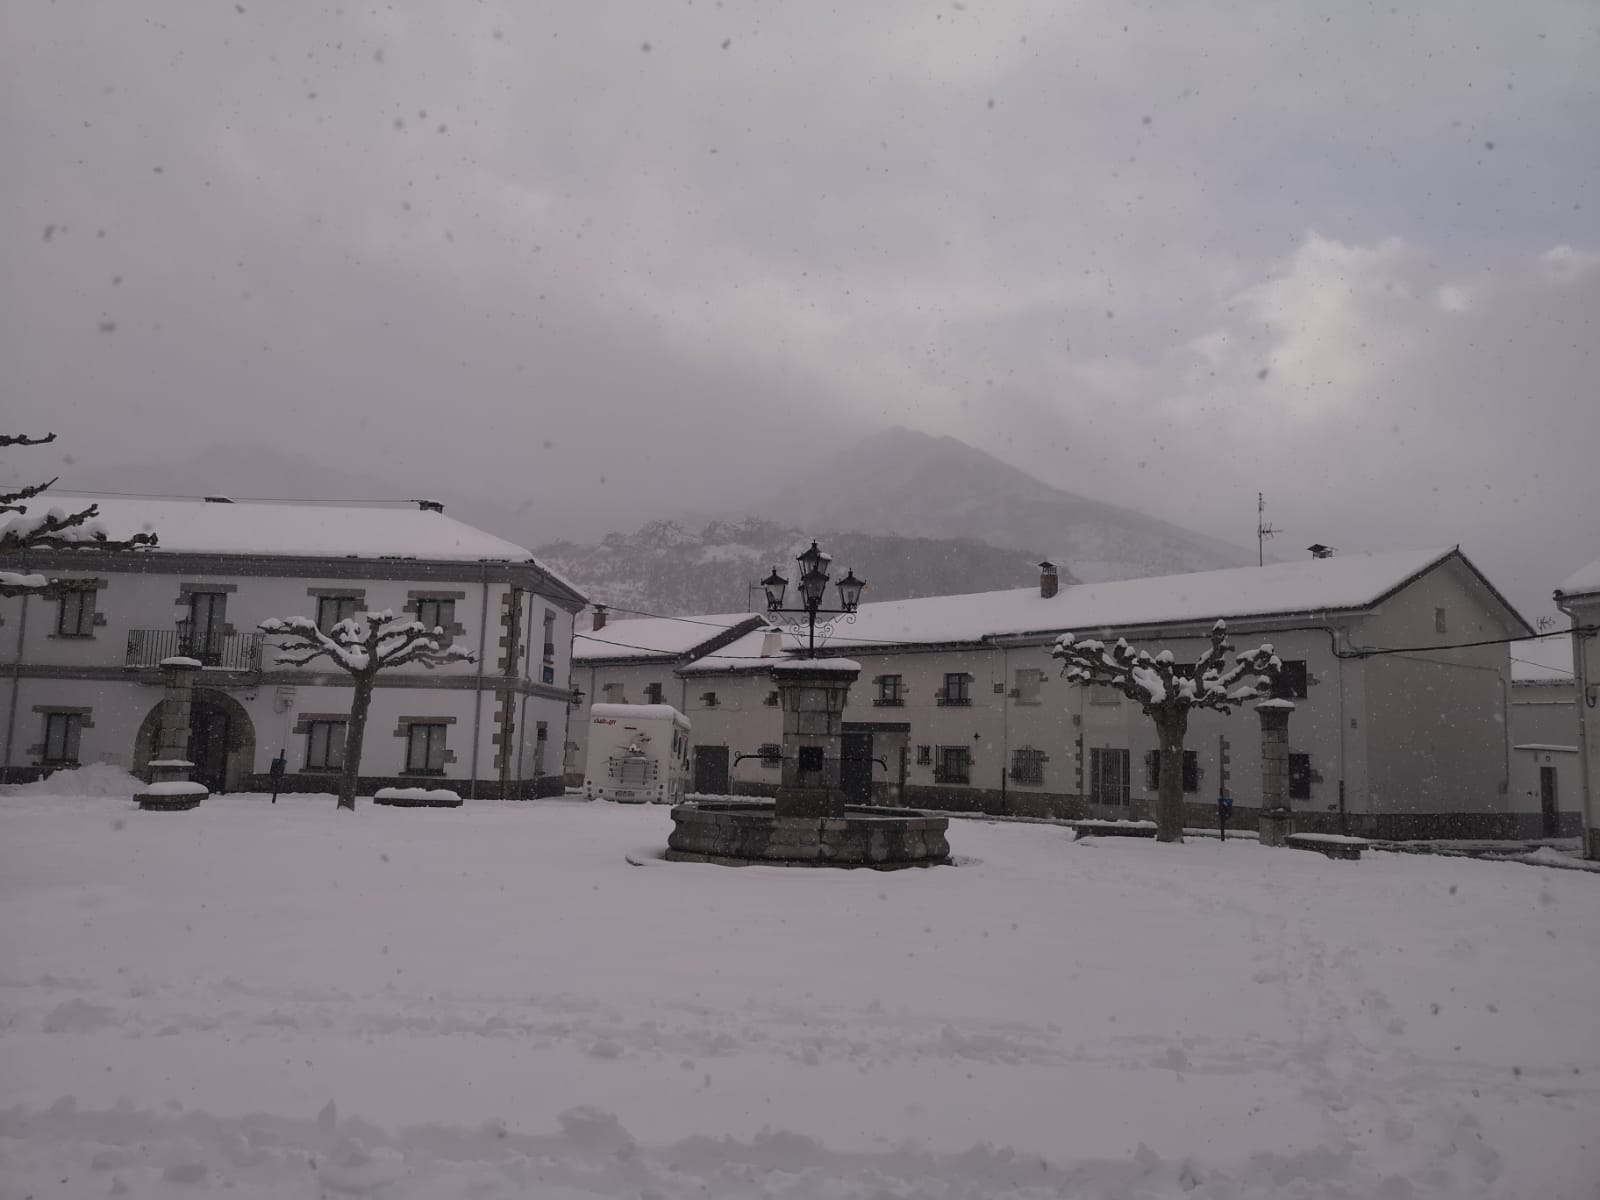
x=1263, y=530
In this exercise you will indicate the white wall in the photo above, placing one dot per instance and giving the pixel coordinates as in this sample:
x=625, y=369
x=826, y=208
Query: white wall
x=139, y=601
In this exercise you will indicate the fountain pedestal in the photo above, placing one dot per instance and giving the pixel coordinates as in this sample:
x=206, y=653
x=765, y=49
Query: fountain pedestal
x=809, y=824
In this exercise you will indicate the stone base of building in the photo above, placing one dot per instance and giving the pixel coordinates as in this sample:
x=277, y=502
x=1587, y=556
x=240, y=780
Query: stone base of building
x=744, y=833
x=543, y=787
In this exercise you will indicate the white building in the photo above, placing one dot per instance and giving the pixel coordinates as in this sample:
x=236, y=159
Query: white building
x=635, y=662
x=1544, y=733
x=1579, y=598
x=82, y=684
x=1402, y=726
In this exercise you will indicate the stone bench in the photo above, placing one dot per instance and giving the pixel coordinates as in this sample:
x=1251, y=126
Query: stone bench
x=1334, y=845
x=1141, y=829
x=417, y=798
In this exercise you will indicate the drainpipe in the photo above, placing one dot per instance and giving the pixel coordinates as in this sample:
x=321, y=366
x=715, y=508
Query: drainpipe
x=1344, y=813
x=1588, y=847
x=1005, y=727
x=16, y=686
x=477, y=694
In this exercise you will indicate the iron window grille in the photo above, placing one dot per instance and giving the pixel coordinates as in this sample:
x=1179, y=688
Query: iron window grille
x=1027, y=765
x=955, y=765
x=1108, y=776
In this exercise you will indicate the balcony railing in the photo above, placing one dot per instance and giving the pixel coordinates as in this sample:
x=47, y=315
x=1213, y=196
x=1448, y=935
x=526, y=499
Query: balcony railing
x=222, y=651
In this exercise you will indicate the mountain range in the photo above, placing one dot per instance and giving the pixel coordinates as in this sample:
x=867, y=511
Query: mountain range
x=913, y=514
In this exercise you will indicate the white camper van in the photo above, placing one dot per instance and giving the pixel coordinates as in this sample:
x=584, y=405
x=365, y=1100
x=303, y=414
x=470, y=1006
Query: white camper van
x=638, y=754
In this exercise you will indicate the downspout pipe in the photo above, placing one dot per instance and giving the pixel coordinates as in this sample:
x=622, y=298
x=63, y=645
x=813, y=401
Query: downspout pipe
x=477, y=693
x=16, y=687
x=1588, y=843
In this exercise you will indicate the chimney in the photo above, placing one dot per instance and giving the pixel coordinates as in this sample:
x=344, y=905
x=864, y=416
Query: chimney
x=429, y=505
x=600, y=615
x=1049, y=581
x=1320, y=551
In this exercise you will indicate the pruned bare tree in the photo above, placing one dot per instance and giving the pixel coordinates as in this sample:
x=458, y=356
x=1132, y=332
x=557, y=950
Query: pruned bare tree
x=1168, y=691
x=53, y=529
x=363, y=646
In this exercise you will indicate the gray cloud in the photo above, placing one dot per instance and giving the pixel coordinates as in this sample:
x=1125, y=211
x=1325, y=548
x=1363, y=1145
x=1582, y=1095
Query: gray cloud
x=679, y=242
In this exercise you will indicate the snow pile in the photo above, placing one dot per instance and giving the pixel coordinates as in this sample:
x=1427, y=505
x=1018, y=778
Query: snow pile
x=91, y=779
x=430, y=797
x=175, y=787
x=281, y=1000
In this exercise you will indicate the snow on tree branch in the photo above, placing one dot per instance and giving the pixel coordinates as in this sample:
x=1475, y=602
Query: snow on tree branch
x=54, y=529
x=363, y=644
x=1159, y=682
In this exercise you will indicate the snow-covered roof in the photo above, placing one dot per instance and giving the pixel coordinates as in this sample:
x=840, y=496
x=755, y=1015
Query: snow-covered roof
x=312, y=529
x=754, y=651
x=661, y=637
x=1350, y=581
x=1542, y=660
x=636, y=712
x=1583, y=581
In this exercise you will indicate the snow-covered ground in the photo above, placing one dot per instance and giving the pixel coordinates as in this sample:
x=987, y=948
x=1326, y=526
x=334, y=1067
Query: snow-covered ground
x=282, y=1000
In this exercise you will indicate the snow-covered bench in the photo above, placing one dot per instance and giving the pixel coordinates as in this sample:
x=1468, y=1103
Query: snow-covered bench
x=417, y=797
x=1334, y=845
x=1083, y=829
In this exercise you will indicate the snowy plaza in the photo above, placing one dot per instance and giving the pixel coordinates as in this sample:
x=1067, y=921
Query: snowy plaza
x=260, y=999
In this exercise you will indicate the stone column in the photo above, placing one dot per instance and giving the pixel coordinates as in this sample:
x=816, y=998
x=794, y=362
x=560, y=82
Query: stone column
x=813, y=694
x=169, y=768
x=1277, y=818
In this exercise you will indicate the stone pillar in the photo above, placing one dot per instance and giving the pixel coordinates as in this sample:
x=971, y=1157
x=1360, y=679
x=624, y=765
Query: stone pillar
x=169, y=768
x=813, y=694
x=1277, y=818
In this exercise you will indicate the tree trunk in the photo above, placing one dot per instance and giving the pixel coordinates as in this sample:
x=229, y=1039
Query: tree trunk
x=353, y=737
x=1170, y=730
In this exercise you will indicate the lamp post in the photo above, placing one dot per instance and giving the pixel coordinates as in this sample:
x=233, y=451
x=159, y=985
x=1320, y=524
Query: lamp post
x=812, y=585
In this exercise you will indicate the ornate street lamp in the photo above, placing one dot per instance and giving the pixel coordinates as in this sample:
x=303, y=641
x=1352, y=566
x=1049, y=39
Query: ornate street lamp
x=812, y=585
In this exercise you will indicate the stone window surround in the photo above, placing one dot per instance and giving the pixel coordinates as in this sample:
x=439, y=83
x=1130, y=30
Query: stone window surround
x=302, y=728
x=185, y=590
x=403, y=730
x=453, y=630
x=45, y=712
x=96, y=621
x=319, y=594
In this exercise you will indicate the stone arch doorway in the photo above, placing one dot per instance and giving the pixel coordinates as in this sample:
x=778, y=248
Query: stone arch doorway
x=222, y=741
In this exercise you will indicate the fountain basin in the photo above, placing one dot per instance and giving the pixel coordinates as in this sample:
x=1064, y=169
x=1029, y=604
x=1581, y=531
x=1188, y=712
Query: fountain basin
x=745, y=832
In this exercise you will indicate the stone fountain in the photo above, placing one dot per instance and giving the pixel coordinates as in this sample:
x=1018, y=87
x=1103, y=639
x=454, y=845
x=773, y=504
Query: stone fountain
x=809, y=824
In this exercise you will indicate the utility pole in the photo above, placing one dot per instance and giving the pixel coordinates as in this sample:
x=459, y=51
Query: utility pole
x=1263, y=530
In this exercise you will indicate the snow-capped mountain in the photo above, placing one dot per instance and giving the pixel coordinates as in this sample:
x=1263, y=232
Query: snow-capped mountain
x=917, y=485
x=666, y=568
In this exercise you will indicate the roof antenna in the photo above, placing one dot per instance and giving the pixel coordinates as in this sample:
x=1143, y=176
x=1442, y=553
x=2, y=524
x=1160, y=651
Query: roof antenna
x=1263, y=530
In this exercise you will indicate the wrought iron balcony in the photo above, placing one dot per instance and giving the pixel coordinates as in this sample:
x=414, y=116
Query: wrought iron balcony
x=221, y=651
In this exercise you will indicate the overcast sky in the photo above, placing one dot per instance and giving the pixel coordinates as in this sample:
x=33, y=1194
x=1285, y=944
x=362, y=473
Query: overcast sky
x=633, y=256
